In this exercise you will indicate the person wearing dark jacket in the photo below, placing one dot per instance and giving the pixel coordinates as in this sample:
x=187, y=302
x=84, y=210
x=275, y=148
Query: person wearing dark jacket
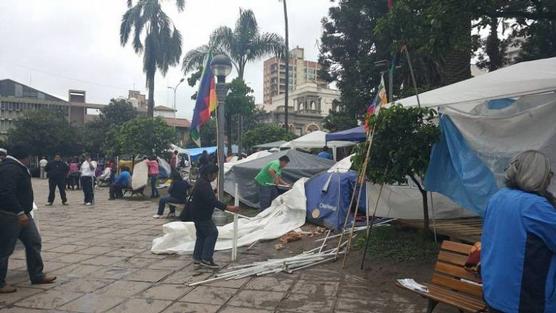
x=176, y=194
x=16, y=203
x=203, y=202
x=57, y=170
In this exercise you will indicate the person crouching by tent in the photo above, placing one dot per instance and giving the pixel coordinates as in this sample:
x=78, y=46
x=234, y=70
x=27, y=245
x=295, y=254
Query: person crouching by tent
x=120, y=183
x=518, y=244
x=269, y=178
x=177, y=193
x=325, y=153
x=152, y=164
x=203, y=202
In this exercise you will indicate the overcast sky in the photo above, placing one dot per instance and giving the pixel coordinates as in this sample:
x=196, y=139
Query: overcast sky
x=56, y=45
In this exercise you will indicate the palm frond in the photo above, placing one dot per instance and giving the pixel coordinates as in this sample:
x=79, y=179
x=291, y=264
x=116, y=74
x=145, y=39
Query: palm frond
x=194, y=59
x=125, y=27
x=180, y=4
x=129, y=3
x=266, y=44
x=222, y=38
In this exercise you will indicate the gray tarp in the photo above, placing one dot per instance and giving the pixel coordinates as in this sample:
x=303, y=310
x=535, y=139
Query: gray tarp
x=301, y=165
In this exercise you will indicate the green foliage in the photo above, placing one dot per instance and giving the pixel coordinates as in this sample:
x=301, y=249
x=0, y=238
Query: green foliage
x=208, y=134
x=144, y=136
x=46, y=133
x=154, y=36
x=338, y=121
x=264, y=133
x=402, y=143
x=243, y=44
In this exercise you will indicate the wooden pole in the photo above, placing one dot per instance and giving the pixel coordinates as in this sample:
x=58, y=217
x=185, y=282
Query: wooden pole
x=370, y=227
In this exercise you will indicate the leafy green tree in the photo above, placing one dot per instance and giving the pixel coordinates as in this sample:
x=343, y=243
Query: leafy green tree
x=144, y=136
x=264, y=133
x=155, y=36
x=46, y=133
x=401, y=147
x=243, y=44
x=240, y=105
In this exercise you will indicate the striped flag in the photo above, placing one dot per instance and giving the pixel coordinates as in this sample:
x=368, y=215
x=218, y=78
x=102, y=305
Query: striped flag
x=206, y=101
x=380, y=101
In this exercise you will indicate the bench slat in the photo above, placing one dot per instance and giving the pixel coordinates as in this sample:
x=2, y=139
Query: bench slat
x=456, y=299
x=456, y=247
x=453, y=258
x=456, y=284
x=456, y=271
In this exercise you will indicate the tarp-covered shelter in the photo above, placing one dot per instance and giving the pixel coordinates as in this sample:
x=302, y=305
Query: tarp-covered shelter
x=486, y=120
x=315, y=140
x=270, y=145
x=356, y=134
x=329, y=196
x=301, y=165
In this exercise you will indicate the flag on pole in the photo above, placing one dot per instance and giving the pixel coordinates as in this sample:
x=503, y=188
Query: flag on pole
x=206, y=101
x=390, y=4
x=380, y=101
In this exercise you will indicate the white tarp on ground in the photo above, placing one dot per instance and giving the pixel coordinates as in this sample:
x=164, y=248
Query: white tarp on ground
x=315, y=140
x=228, y=165
x=525, y=78
x=286, y=213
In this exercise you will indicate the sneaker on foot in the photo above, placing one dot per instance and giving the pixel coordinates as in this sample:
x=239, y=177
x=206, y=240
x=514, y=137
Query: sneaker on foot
x=49, y=204
x=45, y=280
x=196, y=262
x=209, y=264
x=171, y=215
x=64, y=203
x=88, y=204
x=157, y=216
x=8, y=289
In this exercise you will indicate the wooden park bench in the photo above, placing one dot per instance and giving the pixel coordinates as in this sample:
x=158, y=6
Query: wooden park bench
x=451, y=283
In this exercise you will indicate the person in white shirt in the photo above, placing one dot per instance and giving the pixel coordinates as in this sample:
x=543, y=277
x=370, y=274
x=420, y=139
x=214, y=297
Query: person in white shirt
x=88, y=168
x=42, y=164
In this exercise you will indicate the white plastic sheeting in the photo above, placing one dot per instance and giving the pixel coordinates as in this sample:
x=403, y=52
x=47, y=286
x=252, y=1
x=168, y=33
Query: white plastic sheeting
x=313, y=140
x=342, y=166
x=228, y=165
x=286, y=213
x=525, y=78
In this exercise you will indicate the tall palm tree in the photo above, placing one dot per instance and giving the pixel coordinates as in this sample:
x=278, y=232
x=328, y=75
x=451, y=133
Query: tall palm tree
x=243, y=44
x=155, y=36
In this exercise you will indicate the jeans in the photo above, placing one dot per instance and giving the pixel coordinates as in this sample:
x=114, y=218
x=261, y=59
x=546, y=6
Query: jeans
x=116, y=191
x=266, y=195
x=154, y=190
x=59, y=182
x=168, y=199
x=88, y=184
x=206, y=240
x=10, y=231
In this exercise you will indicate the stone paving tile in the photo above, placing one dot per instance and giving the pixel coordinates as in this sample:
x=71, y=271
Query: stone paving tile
x=233, y=309
x=73, y=258
x=113, y=272
x=142, y=306
x=307, y=303
x=123, y=288
x=166, y=292
x=181, y=307
x=186, y=277
x=135, y=262
x=209, y=295
x=65, y=248
x=321, y=275
x=353, y=305
x=21, y=293
x=96, y=250
x=147, y=275
x=169, y=264
x=124, y=252
x=50, y=299
x=322, y=288
x=86, y=285
x=257, y=299
x=77, y=270
x=23, y=310
x=103, y=260
x=355, y=292
x=92, y=303
x=232, y=283
x=269, y=283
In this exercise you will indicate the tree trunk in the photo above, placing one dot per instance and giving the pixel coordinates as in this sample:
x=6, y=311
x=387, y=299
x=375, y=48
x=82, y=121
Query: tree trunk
x=426, y=221
x=493, y=47
x=455, y=63
x=150, y=103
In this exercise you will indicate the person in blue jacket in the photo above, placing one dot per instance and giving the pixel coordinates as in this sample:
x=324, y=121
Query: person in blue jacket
x=518, y=254
x=121, y=182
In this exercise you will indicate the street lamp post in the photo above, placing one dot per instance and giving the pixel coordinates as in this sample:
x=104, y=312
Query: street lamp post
x=221, y=66
x=175, y=91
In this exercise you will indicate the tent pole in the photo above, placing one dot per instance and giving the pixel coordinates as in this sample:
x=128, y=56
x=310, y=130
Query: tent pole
x=412, y=75
x=370, y=227
x=433, y=219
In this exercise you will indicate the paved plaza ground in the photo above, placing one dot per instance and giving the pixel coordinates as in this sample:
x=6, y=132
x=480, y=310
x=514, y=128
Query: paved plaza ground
x=102, y=258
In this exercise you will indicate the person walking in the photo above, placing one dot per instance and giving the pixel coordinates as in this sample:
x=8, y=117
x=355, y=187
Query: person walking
x=269, y=178
x=42, y=165
x=16, y=222
x=177, y=194
x=88, y=169
x=203, y=202
x=152, y=164
x=518, y=244
x=73, y=176
x=57, y=171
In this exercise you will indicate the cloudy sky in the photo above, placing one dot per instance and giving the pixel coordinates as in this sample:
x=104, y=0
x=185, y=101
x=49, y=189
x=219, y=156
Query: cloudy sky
x=56, y=45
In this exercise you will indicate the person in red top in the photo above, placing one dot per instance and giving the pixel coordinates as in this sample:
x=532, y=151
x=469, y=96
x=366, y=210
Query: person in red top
x=174, y=160
x=152, y=163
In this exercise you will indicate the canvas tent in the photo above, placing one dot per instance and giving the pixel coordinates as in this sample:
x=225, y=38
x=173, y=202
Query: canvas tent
x=314, y=140
x=257, y=155
x=356, y=134
x=486, y=120
x=301, y=165
x=329, y=196
x=270, y=145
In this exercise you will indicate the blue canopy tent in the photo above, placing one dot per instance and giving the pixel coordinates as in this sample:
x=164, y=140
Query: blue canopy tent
x=195, y=153
x=357, y=134
x=328, y=198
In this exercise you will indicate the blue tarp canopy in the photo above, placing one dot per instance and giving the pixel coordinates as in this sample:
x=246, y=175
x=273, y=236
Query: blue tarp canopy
x=328, y=197
x=353, y=134
x=195, y=153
